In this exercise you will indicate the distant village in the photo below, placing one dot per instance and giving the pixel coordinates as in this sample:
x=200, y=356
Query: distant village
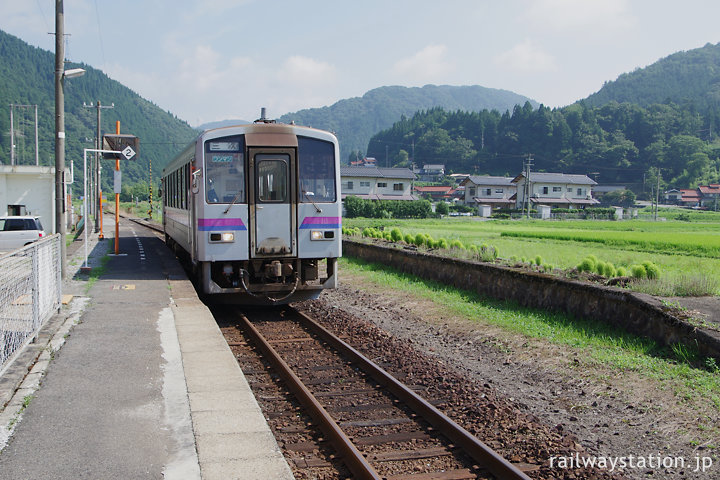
x=364, y=179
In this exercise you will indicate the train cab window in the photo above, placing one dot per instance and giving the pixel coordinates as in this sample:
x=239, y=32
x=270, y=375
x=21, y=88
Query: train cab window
x=272, y=178
x=225, y=170
x=316, y=159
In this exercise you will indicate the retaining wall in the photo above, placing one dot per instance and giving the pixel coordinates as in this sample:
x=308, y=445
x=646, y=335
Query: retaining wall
x=636, y=313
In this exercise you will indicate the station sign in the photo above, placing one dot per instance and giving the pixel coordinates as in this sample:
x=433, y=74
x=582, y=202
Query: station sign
x=127, y=145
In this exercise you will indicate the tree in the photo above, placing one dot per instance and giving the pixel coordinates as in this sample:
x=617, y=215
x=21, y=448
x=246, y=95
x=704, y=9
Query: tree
x=619, y=198
x=442, y=208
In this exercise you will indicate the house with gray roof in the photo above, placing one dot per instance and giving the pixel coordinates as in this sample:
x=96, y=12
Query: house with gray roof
x=559, y=190
x=498, y=192
x=375, y=183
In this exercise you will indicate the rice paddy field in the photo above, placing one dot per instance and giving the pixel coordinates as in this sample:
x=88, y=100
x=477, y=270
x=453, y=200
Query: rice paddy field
x=682, y=249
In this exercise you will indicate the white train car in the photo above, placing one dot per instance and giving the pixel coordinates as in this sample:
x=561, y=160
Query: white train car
x=255, y=211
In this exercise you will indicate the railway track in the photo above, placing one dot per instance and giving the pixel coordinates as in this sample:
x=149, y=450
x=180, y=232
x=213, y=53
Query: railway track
x=347, y=414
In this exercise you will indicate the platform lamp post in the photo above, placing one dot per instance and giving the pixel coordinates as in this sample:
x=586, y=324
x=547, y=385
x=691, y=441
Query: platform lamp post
x=60, y=75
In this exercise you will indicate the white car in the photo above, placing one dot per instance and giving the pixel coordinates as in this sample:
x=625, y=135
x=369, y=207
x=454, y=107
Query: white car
x=16, y=232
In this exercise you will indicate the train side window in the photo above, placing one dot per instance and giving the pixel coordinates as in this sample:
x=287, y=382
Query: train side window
x=316, y=159
x=272, y=173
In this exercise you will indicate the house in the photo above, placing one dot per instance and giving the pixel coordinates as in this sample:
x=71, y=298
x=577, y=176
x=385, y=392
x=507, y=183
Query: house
x=689, y=197
x=709, y=196
x=673, y=196
x=437, y=192
x=486, y=190
x=431, y=173
x=555, y=189
x=375, y=183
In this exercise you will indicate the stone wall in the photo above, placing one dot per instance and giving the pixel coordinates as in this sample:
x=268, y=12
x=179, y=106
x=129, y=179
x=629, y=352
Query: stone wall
x=634, y=312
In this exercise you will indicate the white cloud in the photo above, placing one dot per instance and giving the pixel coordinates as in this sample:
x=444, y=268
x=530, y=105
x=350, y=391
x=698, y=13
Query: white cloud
x=580, y=14
x=526, y=57
x=427, y=65
x=307, y=71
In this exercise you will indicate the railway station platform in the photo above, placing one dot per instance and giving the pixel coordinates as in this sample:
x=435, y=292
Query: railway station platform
x=133, y=379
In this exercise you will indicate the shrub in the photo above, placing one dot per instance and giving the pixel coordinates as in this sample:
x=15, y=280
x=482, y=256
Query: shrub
x=441, y=243
x=473, y=249
x=457, y=244
x=419, y=239
x=488, y=253
x=600, y=267
x=621, y=272
x=396, y=234
x=609, y=270
x=651, y=270
x=547, y=267
x=587, y=265
x=409, y=238
x=538, y=260
x=638, y=271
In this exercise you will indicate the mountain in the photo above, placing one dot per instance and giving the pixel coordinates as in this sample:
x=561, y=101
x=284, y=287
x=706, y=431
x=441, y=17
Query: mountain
x=356, y=120
x=221, y=123
x=27, y=78
x=686, y=78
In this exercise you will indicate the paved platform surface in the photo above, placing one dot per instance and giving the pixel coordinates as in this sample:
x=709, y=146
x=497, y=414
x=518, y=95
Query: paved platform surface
x=132, y=380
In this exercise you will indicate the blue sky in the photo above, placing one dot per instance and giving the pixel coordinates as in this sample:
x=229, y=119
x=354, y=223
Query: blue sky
x=224, y=59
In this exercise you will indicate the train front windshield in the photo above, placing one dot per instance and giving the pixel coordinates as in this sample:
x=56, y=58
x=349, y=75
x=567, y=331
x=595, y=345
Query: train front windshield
x=225, y=170
x=317, y=170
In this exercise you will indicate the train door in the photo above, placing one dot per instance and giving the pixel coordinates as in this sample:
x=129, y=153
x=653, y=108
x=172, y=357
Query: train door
x=273, y=228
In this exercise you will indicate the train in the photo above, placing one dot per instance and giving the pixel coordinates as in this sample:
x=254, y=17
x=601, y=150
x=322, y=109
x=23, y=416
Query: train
x=255, y=212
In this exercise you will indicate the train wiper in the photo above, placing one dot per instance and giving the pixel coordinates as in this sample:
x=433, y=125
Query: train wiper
x=235, y=199
x=319, y=210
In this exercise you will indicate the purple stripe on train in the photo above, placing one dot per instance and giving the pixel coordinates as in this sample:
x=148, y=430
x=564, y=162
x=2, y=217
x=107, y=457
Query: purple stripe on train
x=205, y=224
x=321, y=222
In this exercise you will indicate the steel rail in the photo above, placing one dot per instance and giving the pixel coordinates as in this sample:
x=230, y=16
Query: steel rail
x=487, y=457
x=353, y=459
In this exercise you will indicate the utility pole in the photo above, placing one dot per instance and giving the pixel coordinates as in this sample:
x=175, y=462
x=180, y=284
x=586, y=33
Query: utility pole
x=526, y=186
x=98, y=145
x=150, y=212
x=60, y=133
x=657, y=195
x=12, y=137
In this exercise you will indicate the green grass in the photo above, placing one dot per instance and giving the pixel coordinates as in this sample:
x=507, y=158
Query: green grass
x=670, y=245
x=679, y=368
x=689, y=243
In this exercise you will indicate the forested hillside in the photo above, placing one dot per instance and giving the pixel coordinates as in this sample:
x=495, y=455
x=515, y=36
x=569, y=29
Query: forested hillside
x=616, y=143
x=27, y=77
x=691, y=79
x=355, y=120
x=665, y=116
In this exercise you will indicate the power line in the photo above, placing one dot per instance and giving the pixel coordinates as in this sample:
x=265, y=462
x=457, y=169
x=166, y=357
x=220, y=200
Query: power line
x=102, y=48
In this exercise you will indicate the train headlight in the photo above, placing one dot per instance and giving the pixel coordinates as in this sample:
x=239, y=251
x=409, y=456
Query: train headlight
x=222, y=237
x=322, y=235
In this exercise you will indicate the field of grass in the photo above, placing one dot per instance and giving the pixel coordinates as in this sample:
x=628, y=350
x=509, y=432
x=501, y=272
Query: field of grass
x=679, y=248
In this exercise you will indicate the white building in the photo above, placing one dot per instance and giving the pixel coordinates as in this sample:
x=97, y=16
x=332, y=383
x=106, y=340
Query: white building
x=555, y=189
x=28, y=190
x=497, y=192
x=377, y=183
